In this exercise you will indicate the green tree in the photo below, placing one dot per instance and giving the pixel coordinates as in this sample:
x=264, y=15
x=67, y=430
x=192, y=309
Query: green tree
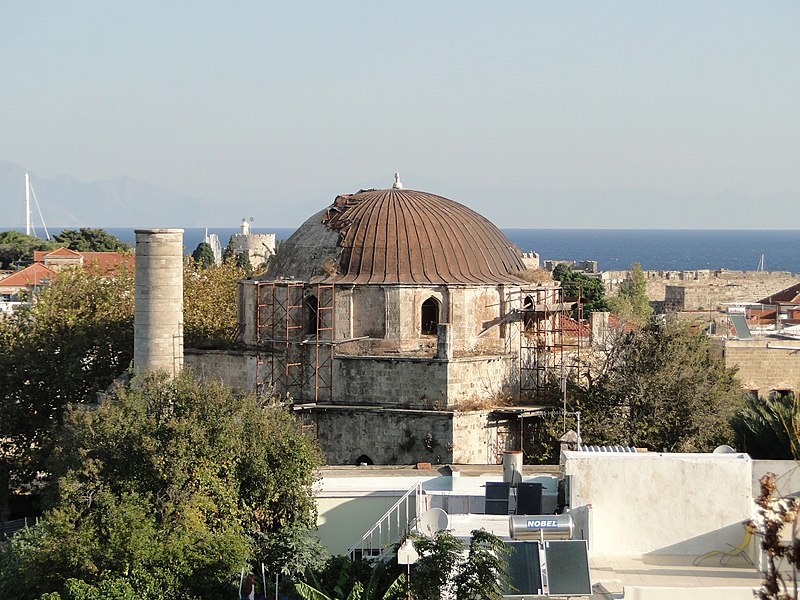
x=209, y=305
x=87, y=239
x=375, y=588
x=483, y=575
x=164, y=488
x=243, y=262
x=203, y=255
x=632, y=303
x=291, y=551
x=768, y=428
x=439, y=556
x=74, y=341
x=16, y=247
x=659, y=387
x=69, y=345
x=590, y=290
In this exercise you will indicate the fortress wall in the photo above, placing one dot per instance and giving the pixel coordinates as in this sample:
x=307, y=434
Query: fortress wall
x=706, y=286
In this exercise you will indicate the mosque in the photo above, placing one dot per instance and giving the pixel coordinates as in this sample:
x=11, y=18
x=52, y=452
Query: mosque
x=401, y=325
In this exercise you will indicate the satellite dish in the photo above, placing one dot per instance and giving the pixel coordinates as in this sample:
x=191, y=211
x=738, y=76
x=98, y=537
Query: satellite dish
x=431, y=521
x=724, y=449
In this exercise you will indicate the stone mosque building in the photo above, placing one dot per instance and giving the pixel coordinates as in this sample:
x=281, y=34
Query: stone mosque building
x=395, y=320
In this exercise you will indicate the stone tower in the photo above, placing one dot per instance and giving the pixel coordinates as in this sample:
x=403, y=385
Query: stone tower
x=258, y=246
x=158, y=315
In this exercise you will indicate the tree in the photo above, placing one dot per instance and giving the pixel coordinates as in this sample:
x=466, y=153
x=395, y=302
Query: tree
x=243, y=262
x=439, y=557
x=65, y=348
x=342, y=577
x=209, y=305
x=660, y=387
x=203, y=255
x=164, y=488
x=87, y=239
x=16, y=247
x=632, y=303
x=768, y=428
x=483, y=575
x=291, y=551
x=74, y=341
x=576, y=285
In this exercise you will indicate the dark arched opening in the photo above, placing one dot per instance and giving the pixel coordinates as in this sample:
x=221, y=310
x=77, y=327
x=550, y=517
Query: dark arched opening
x=364, y=460
x=311, y=312
x=527, y=313
x=430, y=316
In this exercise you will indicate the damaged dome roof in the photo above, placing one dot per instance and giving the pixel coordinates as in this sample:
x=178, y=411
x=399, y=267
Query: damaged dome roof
x=397, y=236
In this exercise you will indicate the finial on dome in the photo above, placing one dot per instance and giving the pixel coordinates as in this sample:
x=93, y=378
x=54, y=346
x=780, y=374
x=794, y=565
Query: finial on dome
x=397, y=185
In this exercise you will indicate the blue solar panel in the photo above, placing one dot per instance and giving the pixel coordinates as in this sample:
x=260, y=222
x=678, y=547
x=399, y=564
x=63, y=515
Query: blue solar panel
x=567, y=566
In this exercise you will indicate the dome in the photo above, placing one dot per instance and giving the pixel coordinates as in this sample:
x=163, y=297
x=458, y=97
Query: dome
x=397, y=236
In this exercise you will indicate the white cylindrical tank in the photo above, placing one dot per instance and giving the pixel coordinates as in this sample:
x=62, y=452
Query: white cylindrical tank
x=158, y=313
x=512, y=466
x=534, y=527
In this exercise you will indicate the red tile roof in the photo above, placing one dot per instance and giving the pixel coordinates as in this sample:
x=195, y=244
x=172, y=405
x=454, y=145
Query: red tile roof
x=31, y=275
x=574, y=328
x=107, y=261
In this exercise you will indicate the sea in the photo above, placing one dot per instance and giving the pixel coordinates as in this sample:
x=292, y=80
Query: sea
x=614, y=249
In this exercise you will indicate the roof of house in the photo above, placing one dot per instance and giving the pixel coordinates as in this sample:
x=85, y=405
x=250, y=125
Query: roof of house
x=57, y=253
x=573, y=327
x=31, y=275
x=398, y=236
x=105, y=261
x=790, y=295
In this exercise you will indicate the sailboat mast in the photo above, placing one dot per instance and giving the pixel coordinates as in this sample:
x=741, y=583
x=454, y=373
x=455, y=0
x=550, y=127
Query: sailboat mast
x=27, y=204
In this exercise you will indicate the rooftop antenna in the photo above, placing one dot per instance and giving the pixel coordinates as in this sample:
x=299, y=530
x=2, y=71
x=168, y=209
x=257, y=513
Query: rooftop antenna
x=397, y=185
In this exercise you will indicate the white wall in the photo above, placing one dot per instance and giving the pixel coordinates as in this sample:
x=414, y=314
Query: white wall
x=674, y=504
x=787, y=477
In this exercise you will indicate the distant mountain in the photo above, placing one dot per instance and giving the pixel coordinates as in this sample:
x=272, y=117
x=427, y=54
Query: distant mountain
x=120, y=202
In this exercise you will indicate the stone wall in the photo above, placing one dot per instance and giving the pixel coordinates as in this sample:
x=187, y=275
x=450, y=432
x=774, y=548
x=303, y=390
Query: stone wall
x=387, y=318
x=396, y=437
x=386, y=436
x=236, y=369
x=764, y=364
x=480, y=438
x=410, y=382
x=706, y=287
x=390, y=381
x=258, y=246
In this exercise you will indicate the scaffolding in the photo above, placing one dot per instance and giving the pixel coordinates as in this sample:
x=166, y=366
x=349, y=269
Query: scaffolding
x=542, y=343
x=295, y=339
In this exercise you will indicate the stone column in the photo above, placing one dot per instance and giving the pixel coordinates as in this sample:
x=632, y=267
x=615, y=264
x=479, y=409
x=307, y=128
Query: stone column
x=158, y=314
x=444, y=341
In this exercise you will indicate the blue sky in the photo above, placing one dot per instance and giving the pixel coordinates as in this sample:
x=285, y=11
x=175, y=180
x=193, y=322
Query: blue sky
x=536, y=114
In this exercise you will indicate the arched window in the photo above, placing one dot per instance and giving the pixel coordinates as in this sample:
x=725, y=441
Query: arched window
x=430, y=316
x=311, y=313
x=527, y=313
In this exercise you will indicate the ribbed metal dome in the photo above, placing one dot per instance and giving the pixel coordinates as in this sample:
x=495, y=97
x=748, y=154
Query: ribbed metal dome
x=399, y=236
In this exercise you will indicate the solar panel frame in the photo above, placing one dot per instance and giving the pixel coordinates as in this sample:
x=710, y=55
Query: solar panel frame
x=567, y=568
x=524, y=570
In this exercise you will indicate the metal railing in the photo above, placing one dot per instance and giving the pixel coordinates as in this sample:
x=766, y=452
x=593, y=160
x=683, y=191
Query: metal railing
x=9, y=528
x=391, y=527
